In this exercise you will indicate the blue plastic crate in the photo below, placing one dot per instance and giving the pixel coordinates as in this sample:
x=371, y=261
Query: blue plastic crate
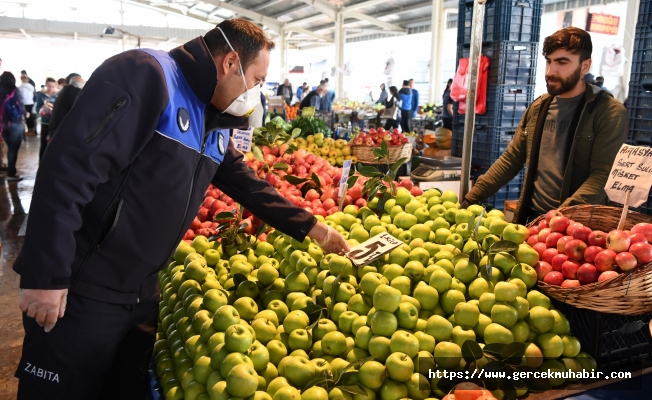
x=488, y=145
x=641, y=72
x=511, y=191
x=645, y=13
x=504, y=20
x=511, y=63
x=639, y=111
x=505, y=106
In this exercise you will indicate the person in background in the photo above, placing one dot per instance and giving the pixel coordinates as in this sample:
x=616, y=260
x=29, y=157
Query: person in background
x=313, y=99
x=61, y=83
x=28, y=95
x=415, y=99
x=391, y=108
x=589, y=79
x=405, y=95
x=369, y=97
x=447, y=108
x=302, y=91
x=263, y=102
x=330, y=94
x=383, y=94
x=23, y=74
x=11, y=114
x=567, y=139
x=285, y=91
x=43, y=107
x=599, y=82
x=65, y=100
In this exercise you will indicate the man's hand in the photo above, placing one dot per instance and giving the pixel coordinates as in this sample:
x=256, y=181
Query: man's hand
x=46, y=306
x=465, y=204
x=329, y=239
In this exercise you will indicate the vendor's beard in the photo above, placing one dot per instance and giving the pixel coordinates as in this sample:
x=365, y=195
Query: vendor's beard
x=566, y=84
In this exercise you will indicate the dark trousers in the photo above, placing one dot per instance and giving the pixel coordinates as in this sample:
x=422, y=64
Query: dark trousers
x=391, y=124
x=29, y=121
x=406, y=121
x=96, y=351
x=45, y=131
x=448, y=123
x=13, y=136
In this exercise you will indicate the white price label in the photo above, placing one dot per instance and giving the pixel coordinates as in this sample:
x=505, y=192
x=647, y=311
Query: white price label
x=373, y=249
x=631, y=174
x=345, y=176
x=242, y=139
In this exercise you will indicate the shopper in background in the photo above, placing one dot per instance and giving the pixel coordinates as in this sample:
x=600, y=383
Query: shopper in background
x=303, y=91
x=391, y=109
x=12, y=111
x=28, y=95
x=61, y=83
x=405, y=95
x=447, y=107
x=589, y=79
x=415, y=99
x=119, y=184
x=567, y=139
x=599, y=82
x=330, y=95
x=314, y=98
x=44, y=104
x=383, y=94
x=65, y=100
x=285, y=91
x=23, y=74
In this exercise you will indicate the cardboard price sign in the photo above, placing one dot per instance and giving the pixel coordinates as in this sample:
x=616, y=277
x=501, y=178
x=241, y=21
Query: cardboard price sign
x=631, y=176
x=373, y=249
x=308, y=112
x=242, y=139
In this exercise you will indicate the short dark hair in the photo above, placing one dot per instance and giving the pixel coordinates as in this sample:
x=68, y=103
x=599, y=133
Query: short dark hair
x=246, y=38
x=61, y=81
x=69, y=77
x=7, y=82
x=600, y=77
x=326, y=80
x=322, y=82
x=50, y=80
x=574, y=40
x=405, y=83
x=23, y=72
x=411, y=80
x=393, y=90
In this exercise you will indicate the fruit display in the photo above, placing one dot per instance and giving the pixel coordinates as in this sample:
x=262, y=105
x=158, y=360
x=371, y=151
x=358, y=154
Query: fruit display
x=573, y=255
x=375, y=138
x=291, y=112
x=335, y=151
x=283, y=320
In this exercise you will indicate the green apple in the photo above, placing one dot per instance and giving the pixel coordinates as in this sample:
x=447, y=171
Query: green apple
x=550, y=344
x=533, y=357
x=478, y=287
x=505, y=291
x=520, y=330
x=299, y=371
x=360, y=304
x=572, y=346
x=439, y=328
x=214, y=299
x=516, y=233
x=231, y=361
x=224, y=317
x=560, y=325
x=383, y=323
x=586, y=361
x=370, y=282
x=379, y=347
x=450, y=196
x=455, y=239
x=522, y=307
x=277, y=351
x=399, y=367
x=540, y=319
x=496, y=333
x=536, y=298
x=441, y=235
x=392, y=389
x=402, y=283
x=525, y=273
x=427, y=296
x=488, y=240
x=483, y=322
x=420, y=231
x=449, y=300
x=465, y=271
x=437, y=211
x=403, y=196
x=265, y=329
x=386, y=298
x=466, y=315
x=464, y=216
x=448, y=355
x=295, y=320
x=363, y=336
x=238, y=339
x=345, y=321
x=280, y=309
x=440, y=280
x=522, y=287
x=461, y=334
x=498, y=226
x=246, y=307
x=300, y=339
x=504, y=314
x=372, y=374
x=527, y=255
x=407, y=315
x=404, y=342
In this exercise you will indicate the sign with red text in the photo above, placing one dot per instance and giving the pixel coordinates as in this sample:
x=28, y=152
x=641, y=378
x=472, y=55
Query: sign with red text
x=603, y=23
x=631, y=173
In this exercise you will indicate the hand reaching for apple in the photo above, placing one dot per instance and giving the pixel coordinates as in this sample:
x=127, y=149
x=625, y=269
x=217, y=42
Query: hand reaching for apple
x=329, y=239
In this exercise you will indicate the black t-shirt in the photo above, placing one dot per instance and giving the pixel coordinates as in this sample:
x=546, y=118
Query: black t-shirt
x=446, y=100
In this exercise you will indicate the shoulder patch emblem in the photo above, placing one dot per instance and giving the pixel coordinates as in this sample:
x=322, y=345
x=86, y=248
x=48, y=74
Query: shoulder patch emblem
x=183, y=119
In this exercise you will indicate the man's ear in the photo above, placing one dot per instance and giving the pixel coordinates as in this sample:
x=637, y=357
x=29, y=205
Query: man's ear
x=586, y=66
x=229, y=61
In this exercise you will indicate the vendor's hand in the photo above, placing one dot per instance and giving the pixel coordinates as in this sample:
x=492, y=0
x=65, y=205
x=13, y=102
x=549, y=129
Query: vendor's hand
x=46, y=306
x=465, y=204
x=329, y=239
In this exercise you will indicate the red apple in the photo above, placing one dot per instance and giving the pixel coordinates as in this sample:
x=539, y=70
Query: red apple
x=543, y=234
x=642, y=251
x=607, y=275
x=208, y=201
x=549, y=254
x=553, y=238
x=561, y=243
x=643, y=228
x=542, y=268
x=587, y=274
x=361, y=203
x=626, y=261
x=636, y=238
x=312, y=194
x=570, y=283
x=558, y=261
x=598, y=238
x=551, y=214
x=575, y=249
x=571, y=228
x=406, y=183
x=540, y=248
x=202, y=215
x=328, y=204
x=416, y=191
x=543, y=225
x=582, y=233
x=605, y=260
x=618, y=241
x=534, y=230
x=591, y=252
x=532, y=240
x=196, y=224
x=559, y=224
x=554, y=278
x=569, y=269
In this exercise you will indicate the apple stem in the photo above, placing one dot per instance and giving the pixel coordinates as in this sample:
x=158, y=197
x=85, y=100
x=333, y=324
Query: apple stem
x=623, y=216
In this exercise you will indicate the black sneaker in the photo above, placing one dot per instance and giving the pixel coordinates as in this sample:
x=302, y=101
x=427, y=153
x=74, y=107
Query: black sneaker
x=15, y=178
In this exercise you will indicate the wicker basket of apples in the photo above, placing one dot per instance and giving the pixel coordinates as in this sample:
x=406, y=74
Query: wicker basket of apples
x=364, y=144
x=588, y=263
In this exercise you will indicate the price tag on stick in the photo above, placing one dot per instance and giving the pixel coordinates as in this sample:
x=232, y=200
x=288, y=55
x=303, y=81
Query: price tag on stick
x=242, y=139
x=346, y=168
x=373, y=249
x=308, y=112
x=630, y=178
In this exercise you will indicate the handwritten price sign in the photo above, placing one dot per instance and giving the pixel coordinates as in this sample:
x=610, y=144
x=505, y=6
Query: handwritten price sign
x=373, y=249
x=631, y=176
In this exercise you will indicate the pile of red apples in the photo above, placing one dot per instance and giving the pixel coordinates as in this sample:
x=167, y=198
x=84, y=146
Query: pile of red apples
x=573, y=254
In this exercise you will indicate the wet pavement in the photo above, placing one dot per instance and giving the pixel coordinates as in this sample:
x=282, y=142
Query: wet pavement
x=15, y=198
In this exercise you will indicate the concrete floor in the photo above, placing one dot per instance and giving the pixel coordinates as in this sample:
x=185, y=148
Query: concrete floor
x=15, y=198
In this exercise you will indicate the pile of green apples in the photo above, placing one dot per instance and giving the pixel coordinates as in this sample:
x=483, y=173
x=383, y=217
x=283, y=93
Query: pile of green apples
x=246, y=326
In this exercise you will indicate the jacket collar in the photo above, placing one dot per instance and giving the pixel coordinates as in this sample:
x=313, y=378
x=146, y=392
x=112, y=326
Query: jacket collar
x=198, y=67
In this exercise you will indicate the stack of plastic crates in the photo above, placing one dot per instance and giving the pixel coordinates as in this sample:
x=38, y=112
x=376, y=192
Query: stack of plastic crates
x=639, y=100
x=510, y=41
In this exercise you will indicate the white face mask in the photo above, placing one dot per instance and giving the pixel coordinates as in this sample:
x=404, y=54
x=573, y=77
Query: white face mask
x=244, y=104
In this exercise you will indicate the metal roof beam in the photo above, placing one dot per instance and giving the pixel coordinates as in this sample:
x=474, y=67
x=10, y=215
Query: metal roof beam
x=290, y=11
x=402, y=10
x=322, y=7
x=374, y=21
x=364, y=4
x=307, y=20
x=272, y=23
x=267, y=4
x=162, y=8
x=311, y=33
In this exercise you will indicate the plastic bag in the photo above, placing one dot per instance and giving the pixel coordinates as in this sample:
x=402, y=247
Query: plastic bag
x=460, y=83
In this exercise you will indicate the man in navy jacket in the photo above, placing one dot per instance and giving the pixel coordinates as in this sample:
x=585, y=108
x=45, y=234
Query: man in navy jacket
x=120, y=183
